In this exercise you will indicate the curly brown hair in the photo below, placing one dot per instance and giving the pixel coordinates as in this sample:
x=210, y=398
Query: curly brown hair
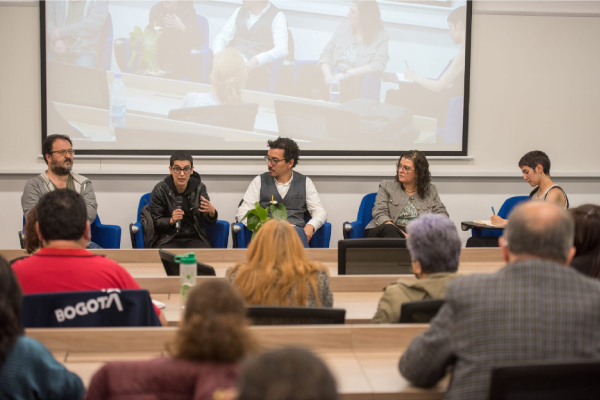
x=32, y=241
x=214, y=326
x=421, y=171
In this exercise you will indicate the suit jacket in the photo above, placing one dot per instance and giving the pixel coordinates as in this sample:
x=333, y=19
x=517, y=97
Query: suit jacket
x=529, y=310
x=391, y=200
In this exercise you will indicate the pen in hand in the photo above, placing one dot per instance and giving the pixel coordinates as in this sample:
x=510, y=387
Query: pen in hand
x=493, y=211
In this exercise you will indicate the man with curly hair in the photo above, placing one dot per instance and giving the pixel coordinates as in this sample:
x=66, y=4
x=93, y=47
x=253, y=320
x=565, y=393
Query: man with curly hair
x=292, y=189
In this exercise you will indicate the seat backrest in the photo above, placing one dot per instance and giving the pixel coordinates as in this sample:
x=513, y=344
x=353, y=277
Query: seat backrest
x=203, y=39
x=273, y=315
x=509, y=204
x=365, y=210
x=419, y=312
x=89, y=309
x=144, y=201
x=547, y=380
x=453, y=134
x=234, y=116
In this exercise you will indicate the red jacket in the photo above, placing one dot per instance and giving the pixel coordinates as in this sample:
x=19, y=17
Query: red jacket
x=161, y=379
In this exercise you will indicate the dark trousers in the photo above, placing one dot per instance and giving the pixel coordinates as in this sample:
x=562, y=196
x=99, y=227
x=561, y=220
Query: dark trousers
x=482, y=241
x=311, y=85
x=185, y=243
x=385, y=231
x=420, y=101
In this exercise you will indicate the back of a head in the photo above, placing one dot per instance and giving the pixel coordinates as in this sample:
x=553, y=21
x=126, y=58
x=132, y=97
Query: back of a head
x=287, y=374
x=10, y=309
x=214, y=326
x=535, y=158
x=587, y=235
x=32, y=240
x=459, y=14
x=433, y=241
x=229, y=76
x=540, y=229
x=62, y=215
x=277, y=271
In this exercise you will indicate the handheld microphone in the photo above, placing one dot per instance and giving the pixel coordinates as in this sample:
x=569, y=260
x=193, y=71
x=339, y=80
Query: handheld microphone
x=178, y=206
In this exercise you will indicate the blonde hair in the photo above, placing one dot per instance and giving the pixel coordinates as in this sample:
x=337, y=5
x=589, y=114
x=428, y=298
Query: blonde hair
x=277, y=272
x=214, y=326
x=229, y=76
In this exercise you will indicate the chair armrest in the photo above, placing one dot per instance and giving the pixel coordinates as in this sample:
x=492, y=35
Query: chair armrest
x=218, y=234
x=321, y=237
x=136, y=234
x=106, y=236
x=242, y=235
x=357, y=231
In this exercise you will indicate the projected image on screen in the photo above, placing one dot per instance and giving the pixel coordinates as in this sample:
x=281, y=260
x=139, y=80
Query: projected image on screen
x=227, y=75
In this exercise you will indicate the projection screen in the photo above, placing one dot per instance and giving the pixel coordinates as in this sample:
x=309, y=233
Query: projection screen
x=343, y=78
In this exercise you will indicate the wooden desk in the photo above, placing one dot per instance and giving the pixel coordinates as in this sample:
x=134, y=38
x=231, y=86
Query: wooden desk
x=363, y=358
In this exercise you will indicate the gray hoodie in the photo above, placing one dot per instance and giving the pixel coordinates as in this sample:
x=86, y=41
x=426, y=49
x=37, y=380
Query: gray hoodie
x=36, y=187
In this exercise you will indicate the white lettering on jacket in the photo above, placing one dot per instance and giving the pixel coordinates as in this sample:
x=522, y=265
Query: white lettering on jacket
x=90, y=307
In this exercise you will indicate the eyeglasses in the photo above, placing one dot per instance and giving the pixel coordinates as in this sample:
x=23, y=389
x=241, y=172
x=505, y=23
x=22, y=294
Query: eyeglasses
x=179, y=170
x=273, y=161
x=404, y=167
x=63, y=152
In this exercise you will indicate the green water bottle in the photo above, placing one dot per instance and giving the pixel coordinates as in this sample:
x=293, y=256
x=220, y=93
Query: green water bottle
x=187, y=275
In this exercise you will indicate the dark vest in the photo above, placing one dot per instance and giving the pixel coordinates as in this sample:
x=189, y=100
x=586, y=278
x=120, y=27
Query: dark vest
x=294, y=201
x=260, y=36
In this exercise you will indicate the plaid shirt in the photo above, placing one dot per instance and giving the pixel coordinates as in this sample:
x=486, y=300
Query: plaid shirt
x=529, y=310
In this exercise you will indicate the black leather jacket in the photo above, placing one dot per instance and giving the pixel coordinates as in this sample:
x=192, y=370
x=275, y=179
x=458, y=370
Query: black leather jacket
x=163, y=202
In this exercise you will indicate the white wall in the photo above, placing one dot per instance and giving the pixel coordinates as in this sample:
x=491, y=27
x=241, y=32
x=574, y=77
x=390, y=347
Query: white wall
x=534, y=81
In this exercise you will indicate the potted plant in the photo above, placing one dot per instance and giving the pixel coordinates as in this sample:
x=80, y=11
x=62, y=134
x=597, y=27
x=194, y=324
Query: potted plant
x=259, y=215
x=143, y=46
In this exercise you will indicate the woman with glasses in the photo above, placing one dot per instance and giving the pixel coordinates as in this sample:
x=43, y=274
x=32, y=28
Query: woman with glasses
x=405, y=198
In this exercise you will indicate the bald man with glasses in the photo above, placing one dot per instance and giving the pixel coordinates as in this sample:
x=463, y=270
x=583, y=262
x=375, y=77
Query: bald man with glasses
x=292, y=189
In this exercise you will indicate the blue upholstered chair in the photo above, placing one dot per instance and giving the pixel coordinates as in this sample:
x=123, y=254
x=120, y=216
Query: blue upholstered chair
x=241, y=235
x=506, y=208
x=89, y=309
x=105, y=236
x=217, y=233
x=453, y=131
x=356, y=229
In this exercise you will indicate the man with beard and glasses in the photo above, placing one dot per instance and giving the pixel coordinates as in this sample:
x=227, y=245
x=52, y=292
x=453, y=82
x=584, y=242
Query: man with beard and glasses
x=58, y=153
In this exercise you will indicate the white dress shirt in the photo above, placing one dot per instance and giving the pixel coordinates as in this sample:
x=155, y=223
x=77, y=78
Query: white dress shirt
x=279, y=29
x=313, y=203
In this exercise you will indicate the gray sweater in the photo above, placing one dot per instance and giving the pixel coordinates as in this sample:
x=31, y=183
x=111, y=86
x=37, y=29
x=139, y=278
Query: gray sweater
x=36, y=187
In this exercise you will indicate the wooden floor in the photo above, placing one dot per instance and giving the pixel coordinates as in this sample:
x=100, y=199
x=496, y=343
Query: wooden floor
x=364, y=359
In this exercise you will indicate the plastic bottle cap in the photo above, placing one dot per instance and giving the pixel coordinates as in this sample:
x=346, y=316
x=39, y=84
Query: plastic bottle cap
x=117, y=75
x=187, y=258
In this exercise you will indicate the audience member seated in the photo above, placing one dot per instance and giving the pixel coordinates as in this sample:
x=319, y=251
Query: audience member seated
x=535, y=167
x=292, y=189
x=587, y=239
x=180, y=206
x=204, y=355
x=358, y=47
x=228, y=78
x=32, y=241
x=430, y=97
x=258, y=30
x=277, y=272
x=402, y=200
x=535, y=308
x=58, y=153
x=286, y=374
x=63, y=264
x=434, y=248
x=74, y=31
x=177, y=22
x=27, y=369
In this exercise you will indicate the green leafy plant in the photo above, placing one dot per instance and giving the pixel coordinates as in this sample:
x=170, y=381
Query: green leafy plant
x=259, y=215
x=143, y=46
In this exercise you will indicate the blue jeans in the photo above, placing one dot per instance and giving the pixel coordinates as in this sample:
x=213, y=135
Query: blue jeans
x=302, y=236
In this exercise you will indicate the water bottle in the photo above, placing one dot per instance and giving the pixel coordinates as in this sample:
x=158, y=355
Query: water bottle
x=118, y=98
x=334, y=90
x=187, y=275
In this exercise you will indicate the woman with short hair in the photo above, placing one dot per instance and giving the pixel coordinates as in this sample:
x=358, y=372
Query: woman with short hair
x=27, y=369
x=434, y=248
x=204, y=355
x=277, y=272
x=405, y=198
